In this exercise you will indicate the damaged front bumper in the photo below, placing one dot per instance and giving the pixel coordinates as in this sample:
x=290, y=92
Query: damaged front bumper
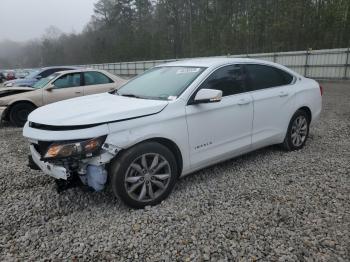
x=57, y=172
x=90, y=171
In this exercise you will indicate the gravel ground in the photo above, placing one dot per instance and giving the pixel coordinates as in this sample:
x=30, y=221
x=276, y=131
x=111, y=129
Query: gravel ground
x=269, y=205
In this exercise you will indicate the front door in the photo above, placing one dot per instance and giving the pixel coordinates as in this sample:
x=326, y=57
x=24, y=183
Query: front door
x=223, y=129
x=65, y=87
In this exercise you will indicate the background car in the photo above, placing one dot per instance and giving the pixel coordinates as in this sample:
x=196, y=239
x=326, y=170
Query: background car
x=36, y=75
x=17, y=102
x=10, y=75
x=21, y=73
x=2, y=77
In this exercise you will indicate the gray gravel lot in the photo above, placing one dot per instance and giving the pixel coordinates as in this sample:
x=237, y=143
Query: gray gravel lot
x=269, y=205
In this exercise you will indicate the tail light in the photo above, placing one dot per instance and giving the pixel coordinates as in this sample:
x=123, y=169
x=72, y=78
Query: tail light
x=321, y=90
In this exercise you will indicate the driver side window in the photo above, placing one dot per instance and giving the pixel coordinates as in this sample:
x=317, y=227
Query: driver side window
x=68, y=80
x=228, y=79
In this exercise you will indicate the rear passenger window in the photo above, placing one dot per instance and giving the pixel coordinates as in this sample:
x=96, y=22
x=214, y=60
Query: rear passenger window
x=96, y=78
x=261, y=77
x=228, y=79
x=288, y=78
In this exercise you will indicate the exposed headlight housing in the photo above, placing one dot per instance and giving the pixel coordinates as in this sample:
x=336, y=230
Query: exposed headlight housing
x=85, y=148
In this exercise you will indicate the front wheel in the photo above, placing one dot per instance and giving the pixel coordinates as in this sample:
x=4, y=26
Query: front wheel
x=298, y=131
x=19, y=113
x=144, y=175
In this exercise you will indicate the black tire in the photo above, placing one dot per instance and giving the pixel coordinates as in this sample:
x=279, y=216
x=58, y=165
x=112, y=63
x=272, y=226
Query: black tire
x=120, y=168
x=289, y=143
x=19, y=113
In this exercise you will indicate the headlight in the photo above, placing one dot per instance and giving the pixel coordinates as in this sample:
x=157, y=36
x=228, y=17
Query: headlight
x=84, y=148
x=9, y=85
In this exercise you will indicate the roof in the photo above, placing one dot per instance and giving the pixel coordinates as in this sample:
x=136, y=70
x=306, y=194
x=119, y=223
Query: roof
x=51, y=67
x=78, y=70
x=212, y=62
x=87, y=69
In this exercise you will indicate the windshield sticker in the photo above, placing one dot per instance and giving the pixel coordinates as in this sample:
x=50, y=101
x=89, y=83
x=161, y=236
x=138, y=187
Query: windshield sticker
x=172, y=98
x=187, y=70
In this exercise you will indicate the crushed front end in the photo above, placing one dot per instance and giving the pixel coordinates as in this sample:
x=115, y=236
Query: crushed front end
x=73, y=162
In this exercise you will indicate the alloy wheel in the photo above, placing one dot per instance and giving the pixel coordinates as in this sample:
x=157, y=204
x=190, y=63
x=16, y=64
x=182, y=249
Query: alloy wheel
x=147, y=177
x=299, y=131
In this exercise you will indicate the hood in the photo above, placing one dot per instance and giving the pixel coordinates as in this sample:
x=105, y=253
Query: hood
x=24, y=81
x=9, y=91
x=95, y=109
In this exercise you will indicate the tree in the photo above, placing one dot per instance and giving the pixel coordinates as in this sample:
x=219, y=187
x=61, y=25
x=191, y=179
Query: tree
x=124, y=30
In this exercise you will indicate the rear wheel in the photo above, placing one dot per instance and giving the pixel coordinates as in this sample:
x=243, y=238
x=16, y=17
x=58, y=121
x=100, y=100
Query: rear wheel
x=19, y=113
x=298, y=131
x=144, y=175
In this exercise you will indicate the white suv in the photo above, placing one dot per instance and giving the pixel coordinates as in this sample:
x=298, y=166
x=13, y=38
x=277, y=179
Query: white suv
x=171, y=121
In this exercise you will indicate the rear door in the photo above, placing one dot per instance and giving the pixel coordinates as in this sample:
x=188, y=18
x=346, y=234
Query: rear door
x=273, y=95
x=65, y=87
x=97, y=82
x=223, y=129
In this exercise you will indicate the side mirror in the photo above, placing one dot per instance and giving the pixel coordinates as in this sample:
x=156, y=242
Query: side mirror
x=38, y=77
x=208, y=96
x=50, y=88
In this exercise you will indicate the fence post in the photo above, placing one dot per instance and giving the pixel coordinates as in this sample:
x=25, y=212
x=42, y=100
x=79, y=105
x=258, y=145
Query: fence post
x=274, y=57
x=346, y=64
x=306, y=62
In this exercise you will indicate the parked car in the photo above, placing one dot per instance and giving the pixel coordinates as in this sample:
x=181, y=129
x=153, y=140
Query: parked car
x=171, y=121
x=2, y=77
x=17, y=102
x=21, y=74
x=36, y=75
x=10, y=75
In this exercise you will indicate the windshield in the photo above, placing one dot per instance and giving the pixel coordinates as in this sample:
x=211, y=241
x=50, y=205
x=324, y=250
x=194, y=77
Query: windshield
x=33, y=74
x=43, y=82
x=161, y=82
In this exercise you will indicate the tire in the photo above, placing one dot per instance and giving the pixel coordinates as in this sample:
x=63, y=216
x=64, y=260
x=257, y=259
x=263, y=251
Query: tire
x=298, y=131
x=19, y=113
x=139, y=180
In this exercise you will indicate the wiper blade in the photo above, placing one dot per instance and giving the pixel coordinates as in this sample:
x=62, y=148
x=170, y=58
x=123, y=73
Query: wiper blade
x=140, y=97
x=132, y=95
x=129, y=95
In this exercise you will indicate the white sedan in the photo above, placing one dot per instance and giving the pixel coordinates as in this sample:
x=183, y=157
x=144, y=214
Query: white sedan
x=171, y=121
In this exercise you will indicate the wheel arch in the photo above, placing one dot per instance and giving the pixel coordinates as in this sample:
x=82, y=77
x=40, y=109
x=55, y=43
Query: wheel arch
x=307, y=110
x=9, y=107
x=168, y=143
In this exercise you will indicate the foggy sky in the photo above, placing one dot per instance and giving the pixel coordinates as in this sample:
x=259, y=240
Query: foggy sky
x=21, y=20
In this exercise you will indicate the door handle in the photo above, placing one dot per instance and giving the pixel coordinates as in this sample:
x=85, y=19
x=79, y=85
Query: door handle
x=282, y=94
x=78, y=92
x=243, y=101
